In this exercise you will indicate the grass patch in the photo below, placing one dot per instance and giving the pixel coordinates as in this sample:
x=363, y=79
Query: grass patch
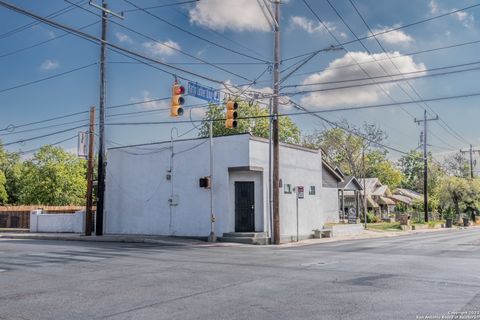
x=385, y=226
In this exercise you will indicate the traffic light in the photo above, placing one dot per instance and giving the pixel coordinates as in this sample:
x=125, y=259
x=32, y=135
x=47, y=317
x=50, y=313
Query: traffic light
x=177, y=100
x=231, y=114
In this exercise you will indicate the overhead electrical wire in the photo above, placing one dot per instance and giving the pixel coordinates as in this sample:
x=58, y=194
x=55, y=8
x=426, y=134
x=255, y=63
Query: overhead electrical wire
x=171, y=47
x=47, y=78
x=385, y=92
x=449, y=130
x=50, y=144
x=44, y=42
x=160, y=6
x=32, y=24
x=130, y=53
x=394, y=29
x=195, y=35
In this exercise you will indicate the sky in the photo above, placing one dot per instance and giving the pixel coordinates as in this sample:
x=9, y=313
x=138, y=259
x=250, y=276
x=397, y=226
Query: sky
x=46, y=73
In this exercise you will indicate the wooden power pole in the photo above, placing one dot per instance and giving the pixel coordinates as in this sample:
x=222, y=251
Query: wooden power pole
x=276, y=146
x=472, y=164
x=91, y=142
x=425, y=161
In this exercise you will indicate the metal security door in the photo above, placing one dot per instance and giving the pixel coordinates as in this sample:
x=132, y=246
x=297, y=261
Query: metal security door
x=244, y=206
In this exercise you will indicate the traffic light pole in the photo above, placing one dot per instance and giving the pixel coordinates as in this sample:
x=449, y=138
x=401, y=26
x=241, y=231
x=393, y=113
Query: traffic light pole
x=212, y=237
x=276, y=151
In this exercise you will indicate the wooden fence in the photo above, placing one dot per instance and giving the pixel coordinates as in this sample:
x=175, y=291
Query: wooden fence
x=19, y=216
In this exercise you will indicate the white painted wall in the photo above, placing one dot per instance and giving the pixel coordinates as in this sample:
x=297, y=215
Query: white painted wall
x=57, y=222
x=330, y=205
x=298, y=167
x=138, y=192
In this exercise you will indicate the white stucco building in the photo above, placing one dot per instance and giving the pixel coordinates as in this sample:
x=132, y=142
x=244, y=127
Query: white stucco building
x=154, y=188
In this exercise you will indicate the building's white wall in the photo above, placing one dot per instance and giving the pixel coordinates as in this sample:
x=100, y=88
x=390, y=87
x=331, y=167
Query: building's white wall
x=298, y=168
x=57, y=222
x=330, y=205
x=138, y=192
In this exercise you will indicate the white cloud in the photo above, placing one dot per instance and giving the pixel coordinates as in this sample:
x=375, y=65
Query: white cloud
x=147, y=103
x=166, y=48
x=465, y=18
x=49, y=65
x=123, y=38
x=312, y=27
x=433, y=7
x=236, y=15
x=392, y=37
x=358, y=95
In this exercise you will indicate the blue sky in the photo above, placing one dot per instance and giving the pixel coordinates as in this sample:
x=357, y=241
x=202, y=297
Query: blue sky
x=241, y=26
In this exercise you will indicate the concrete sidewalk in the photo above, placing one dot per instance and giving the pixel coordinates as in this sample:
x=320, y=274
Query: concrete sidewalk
x=182, y=241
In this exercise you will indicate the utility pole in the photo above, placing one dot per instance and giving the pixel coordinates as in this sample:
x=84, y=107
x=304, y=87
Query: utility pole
x=425, y=161
x=212, y=237
x=101, y=140
x=276, y=146
x=91, y=142
x=471, y=151
x=364, y=188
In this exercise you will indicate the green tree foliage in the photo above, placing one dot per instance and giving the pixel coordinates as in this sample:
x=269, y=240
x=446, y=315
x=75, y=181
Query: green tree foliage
x=411, y=166
x=343, y=148
x=288, y=130
x=457, y=165
x=463, y=195
x=10, y=166
x=377, y=165
x=53, y=177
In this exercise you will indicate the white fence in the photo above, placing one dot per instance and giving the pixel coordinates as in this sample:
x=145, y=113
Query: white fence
x=57, y=222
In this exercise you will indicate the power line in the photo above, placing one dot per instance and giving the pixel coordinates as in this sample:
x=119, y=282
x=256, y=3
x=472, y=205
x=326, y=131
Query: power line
x=456, y=135
x=31, y=24
x=42, y=136
x=391, y=75
x=169, y=46
x=43, y=42
x=132, y=54
x=11, y=127
x=394, y=29
x=50, y=144
x=195, y=35
x=375, y=82
x=160, y=6
x=47, y=78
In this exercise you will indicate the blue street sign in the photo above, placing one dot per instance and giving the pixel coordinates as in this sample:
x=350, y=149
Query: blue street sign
x=204, y=93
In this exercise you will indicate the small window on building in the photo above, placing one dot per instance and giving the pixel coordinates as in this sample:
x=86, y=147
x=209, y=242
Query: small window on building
x=312, y=191
x=287, y=188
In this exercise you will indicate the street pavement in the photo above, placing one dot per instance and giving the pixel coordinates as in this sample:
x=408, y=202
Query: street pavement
x=418, y=276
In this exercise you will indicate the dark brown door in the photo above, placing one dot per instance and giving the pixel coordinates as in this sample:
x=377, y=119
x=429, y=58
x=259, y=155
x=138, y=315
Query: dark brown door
x=244, y=206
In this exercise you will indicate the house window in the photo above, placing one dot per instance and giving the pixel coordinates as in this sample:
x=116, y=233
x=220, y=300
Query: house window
x=312, y=191
x=287, y=188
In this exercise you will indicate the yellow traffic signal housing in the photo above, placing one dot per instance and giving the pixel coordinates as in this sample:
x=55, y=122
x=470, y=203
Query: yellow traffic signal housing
x=177, y=100
x=231, y=114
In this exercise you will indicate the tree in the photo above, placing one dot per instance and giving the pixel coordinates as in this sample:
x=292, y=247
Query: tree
x=411, y=166
x=458, y=193
x=457, y=165
x=343, y=145
x=10, y=165
x=3, y=179
x=288, y=130
x=377, y=165
x=53, y=177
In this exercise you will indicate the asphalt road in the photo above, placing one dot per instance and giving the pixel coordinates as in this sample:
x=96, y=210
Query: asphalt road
x=406, y=277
